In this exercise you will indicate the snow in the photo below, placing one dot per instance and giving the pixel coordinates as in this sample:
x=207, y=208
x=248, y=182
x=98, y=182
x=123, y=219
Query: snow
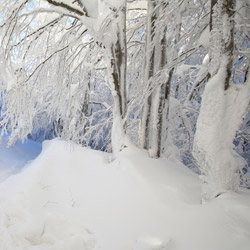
x=205, y=60
x=70, y=4
x=7, y=76
x=218, y=121
x=151, y=243
x=74, y=198
x=92, y=7
x=204, y=38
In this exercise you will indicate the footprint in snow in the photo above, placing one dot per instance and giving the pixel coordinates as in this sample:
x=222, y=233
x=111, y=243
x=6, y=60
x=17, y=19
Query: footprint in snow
x=151, y=243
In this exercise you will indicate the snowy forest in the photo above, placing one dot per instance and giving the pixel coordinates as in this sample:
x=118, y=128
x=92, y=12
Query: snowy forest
x=168, y=79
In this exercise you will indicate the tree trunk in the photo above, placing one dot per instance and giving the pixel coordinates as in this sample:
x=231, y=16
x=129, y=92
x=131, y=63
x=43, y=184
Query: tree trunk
x=155, y=110
x=222, y=110
x=118, y=66
x=160, y=98
x=148, y=73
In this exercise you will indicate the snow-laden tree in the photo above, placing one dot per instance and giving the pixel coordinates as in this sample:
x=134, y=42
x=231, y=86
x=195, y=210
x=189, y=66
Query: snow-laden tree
x=93, y=70
x=224, y=104
x=46, y=46
x=154, y=119
x=173, y=30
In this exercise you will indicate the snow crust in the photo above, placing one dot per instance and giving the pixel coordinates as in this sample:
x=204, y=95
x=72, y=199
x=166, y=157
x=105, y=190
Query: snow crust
x=73, y=198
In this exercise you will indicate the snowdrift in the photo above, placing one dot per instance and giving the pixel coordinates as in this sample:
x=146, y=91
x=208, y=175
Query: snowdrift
x=74, y=198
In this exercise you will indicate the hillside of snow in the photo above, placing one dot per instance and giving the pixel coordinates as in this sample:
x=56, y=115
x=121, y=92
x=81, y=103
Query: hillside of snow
x=74, y=198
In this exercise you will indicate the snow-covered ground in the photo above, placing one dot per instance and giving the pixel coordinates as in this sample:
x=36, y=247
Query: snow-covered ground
x=74, y=198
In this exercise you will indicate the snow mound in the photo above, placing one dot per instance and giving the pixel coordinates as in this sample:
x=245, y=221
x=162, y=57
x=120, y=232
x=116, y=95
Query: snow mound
x=74, y=198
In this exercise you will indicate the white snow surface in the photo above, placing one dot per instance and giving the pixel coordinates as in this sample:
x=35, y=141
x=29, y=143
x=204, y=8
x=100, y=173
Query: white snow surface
x=74, y=198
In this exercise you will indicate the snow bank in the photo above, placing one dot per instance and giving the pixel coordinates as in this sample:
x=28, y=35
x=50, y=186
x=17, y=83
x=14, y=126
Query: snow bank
x=72, y=198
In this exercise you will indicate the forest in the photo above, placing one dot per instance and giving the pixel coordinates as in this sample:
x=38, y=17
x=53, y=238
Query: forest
x=170, y=77
x=93, y=75
x=123, y=122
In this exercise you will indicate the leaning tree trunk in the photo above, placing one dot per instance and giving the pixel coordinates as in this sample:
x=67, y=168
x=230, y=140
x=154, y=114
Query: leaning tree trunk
x=223, y=108
x=118, y=68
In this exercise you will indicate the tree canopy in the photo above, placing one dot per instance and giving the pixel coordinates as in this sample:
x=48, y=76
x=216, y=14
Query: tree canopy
x=173, y=76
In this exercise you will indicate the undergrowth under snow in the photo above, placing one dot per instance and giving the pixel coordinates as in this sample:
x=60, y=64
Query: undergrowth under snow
x=74, y=198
